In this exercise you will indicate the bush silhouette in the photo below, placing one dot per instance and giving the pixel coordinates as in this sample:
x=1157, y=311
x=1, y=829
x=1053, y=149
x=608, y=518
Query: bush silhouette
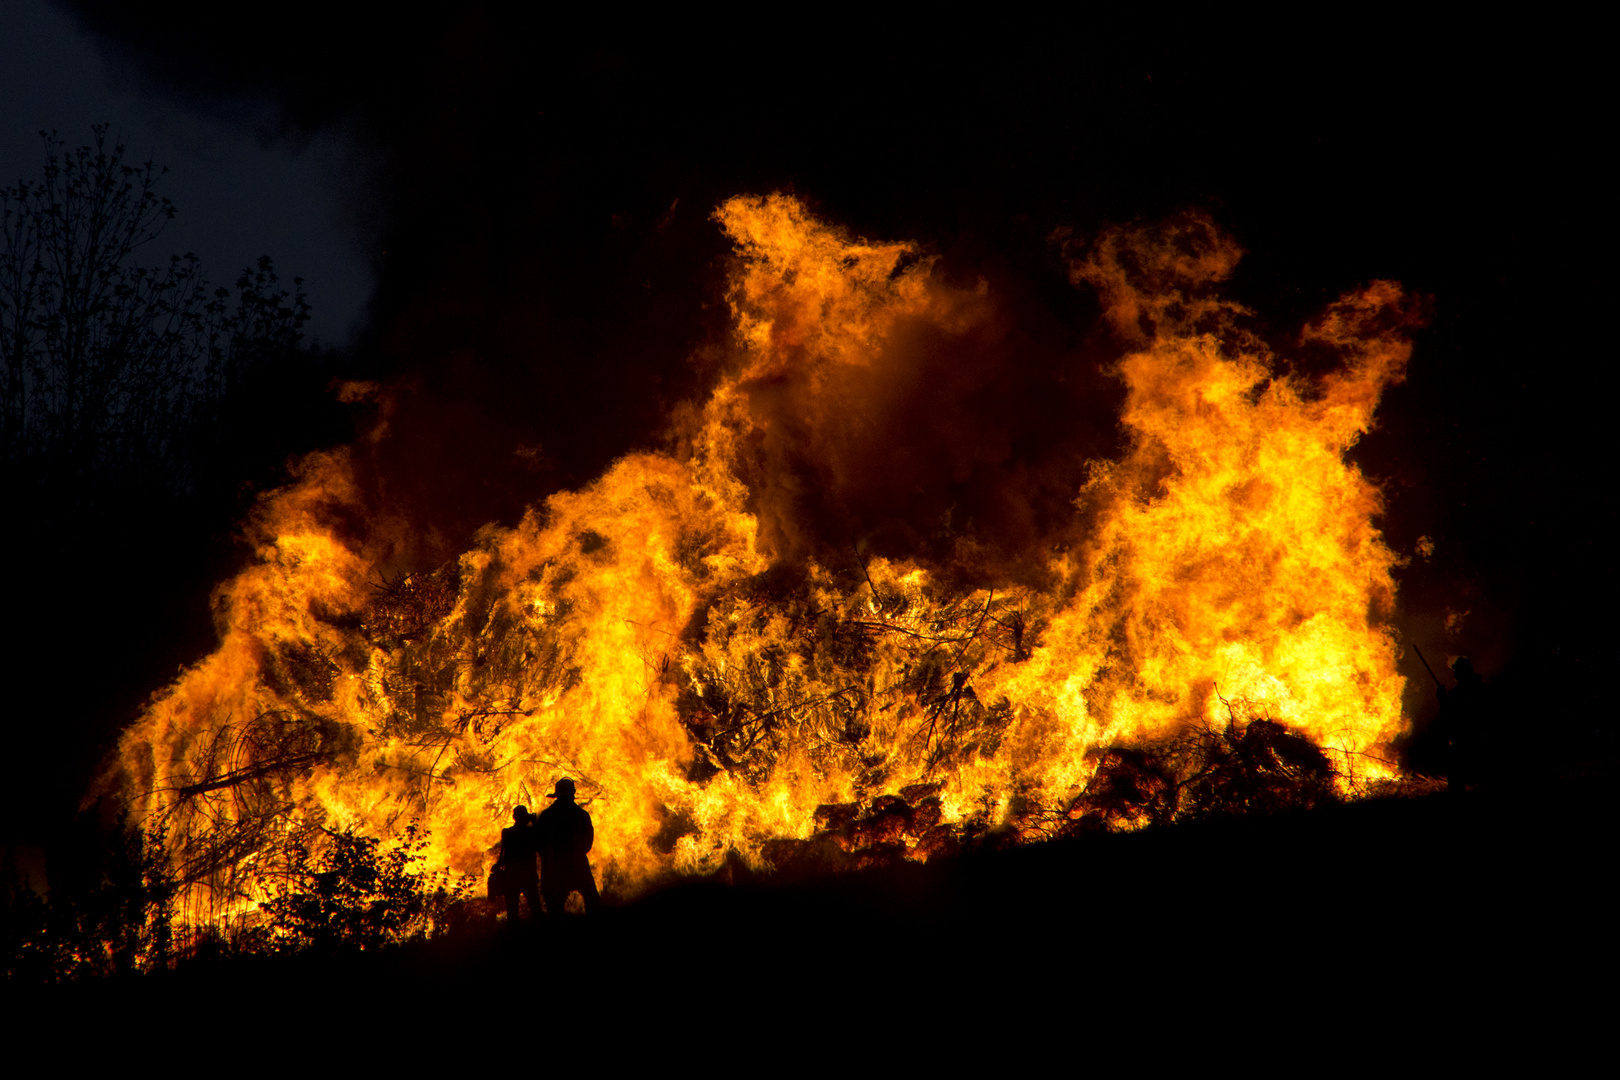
x=355, y=895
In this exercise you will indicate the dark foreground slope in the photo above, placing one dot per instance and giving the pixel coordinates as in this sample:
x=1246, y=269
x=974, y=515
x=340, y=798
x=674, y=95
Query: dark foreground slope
x=1440, y=925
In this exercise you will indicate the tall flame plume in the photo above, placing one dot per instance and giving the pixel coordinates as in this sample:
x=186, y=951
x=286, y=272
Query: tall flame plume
x=718, y=685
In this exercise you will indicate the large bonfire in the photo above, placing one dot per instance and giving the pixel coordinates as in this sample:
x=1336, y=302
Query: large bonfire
x=724, y=691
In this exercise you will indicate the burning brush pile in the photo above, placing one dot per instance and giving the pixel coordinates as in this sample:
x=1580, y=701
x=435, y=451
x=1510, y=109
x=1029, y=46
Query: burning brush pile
x=1201, y=633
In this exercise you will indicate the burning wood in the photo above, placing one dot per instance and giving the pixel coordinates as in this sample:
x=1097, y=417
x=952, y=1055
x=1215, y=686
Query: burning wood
x=725, y=685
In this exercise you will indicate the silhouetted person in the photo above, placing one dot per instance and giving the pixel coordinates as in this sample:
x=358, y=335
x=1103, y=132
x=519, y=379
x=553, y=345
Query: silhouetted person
x=518, y=850
x=1463, y=714
x=564, y=836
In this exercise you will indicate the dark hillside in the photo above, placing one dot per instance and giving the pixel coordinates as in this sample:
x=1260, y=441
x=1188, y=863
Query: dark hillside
x=1415, y=920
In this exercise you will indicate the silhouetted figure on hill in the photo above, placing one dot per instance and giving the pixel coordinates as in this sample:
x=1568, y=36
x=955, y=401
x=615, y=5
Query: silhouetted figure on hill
x=564, y=835
x=518, y=849
x=1466, y=724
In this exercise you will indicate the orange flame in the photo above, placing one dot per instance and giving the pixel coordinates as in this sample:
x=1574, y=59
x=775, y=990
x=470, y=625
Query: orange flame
x=668, y=638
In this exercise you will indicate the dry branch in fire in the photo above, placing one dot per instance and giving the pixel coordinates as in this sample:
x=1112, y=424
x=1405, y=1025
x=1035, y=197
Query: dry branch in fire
x=877, y=682
x=231, y=801
x=1249, y=765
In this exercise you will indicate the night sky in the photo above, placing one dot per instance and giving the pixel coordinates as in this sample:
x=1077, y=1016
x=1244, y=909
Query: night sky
x=505, y=218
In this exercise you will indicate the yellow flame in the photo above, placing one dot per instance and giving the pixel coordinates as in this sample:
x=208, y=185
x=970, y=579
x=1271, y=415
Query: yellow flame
x=632, y=635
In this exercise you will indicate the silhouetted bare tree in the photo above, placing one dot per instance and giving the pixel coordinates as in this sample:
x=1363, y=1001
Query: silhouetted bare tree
x=111, y=370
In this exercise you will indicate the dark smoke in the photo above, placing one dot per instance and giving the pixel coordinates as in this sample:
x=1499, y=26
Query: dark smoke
x=548, y=266
x=549, y=271
x=960, y=446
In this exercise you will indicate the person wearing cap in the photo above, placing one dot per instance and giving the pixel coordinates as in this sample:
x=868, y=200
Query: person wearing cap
x=517, y=864
x=564, y=835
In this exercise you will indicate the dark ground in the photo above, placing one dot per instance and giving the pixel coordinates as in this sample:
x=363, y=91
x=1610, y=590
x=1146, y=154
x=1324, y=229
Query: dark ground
x=1424, y=932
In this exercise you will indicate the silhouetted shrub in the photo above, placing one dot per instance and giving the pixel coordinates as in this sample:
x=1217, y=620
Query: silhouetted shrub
x=114, y=917
x=355, y=895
